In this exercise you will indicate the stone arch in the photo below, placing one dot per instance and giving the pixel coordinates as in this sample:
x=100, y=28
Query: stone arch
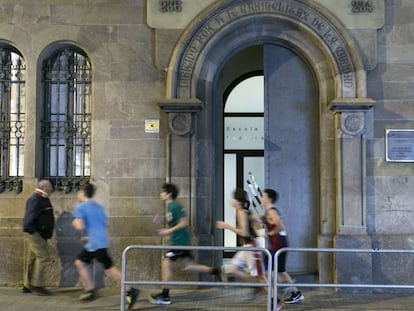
x=305, y=26
x=321, y=40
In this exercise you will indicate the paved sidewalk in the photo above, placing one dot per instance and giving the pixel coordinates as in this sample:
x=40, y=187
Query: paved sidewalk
x=213, y=299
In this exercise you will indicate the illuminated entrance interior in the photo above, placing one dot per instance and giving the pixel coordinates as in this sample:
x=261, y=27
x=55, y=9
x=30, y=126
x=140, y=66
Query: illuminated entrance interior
x=243, y=146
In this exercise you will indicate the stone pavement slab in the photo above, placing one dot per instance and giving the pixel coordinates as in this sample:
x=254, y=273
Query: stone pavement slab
x=213, y=299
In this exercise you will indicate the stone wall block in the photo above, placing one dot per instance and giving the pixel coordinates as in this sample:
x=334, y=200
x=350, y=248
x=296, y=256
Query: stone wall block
x=107, y=14
x=131, y=226
x=353, y=268
x=366, y=40
x=131, y=130
x=130, y=187
x=31, y=14
x=11, y=269
x=138, y=259
x=127, y=101
x=133, y=34
x=394, y=268
x=93, y=37
x=135, y=168
x=165, y=40
x=136, y=207
x=121, y=149
x=6, y=15
x=12, y=206
x=393, y=111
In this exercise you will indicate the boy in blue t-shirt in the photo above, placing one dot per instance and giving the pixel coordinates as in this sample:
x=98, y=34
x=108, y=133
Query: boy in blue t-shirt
x=89, y=216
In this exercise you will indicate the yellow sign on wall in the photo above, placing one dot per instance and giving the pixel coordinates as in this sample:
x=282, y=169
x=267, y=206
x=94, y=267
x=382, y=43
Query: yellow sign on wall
x=152, y=126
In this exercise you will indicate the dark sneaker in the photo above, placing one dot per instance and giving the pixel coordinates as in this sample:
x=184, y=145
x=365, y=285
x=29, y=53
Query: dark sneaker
x=295, y=298
x=26, y=290
x=131, y=298
x=41, y=291
x=86, y=297
x=159, y=299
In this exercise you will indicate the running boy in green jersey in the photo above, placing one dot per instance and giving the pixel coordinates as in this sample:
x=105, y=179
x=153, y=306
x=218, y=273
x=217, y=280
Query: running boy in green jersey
x=178, y=231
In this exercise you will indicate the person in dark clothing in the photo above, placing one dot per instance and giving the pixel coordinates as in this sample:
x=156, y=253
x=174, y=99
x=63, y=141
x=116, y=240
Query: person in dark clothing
x=38, y=224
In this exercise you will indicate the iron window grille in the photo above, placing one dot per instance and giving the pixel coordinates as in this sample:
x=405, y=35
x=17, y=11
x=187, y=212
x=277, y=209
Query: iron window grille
x=13, y=120
x=66, y=126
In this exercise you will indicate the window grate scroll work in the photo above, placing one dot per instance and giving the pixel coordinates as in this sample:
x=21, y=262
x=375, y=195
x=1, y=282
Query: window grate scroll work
x=12, y=119
x=66, y=127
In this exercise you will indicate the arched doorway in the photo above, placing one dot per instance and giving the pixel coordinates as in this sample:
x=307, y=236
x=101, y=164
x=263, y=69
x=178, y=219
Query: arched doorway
x=286, y=159
x=316, y=43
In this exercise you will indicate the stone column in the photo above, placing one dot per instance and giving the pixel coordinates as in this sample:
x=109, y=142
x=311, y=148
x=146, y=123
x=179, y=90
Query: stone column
x=350, y=158
x=182, y=117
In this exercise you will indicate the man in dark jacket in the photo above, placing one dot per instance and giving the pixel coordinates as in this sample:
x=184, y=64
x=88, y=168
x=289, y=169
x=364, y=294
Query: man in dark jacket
x=38, y=223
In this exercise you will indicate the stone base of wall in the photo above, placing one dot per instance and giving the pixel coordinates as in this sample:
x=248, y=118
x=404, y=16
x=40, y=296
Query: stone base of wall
x=142, y=265
x=374, y=268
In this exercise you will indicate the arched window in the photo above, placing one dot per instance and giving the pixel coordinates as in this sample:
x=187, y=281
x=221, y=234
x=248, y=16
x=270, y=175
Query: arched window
x=66, y=125
x=12, y=122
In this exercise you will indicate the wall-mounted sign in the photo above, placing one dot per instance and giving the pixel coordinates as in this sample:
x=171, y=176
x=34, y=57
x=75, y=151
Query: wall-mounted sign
x=152, y=126
x=243, y=133
x=399, y=145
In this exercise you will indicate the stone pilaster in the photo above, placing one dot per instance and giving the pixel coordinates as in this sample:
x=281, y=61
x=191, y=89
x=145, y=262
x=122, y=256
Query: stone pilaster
x=350, y=155
x=351, y=163
x=182, y=117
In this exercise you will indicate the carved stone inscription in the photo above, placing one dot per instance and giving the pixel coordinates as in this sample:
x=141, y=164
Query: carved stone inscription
x=170, y=6
x=294, y=10
x=359, y=6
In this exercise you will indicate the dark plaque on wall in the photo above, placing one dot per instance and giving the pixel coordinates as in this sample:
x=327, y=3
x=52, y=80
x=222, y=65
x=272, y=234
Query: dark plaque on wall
x=399, y=145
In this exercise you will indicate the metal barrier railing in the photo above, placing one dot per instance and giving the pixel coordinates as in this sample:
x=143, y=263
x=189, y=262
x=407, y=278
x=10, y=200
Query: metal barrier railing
x=271, y=278
x=125, y=282
x=335, y=285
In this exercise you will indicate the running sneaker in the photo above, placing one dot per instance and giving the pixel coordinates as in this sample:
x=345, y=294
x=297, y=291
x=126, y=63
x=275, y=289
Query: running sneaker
x=87, y=297
x=159, y=299
x=131, y=298
x=295, y=298
x=26, y=290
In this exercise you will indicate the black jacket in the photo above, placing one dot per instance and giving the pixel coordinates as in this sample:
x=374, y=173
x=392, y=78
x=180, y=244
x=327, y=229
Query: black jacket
x=39, y=216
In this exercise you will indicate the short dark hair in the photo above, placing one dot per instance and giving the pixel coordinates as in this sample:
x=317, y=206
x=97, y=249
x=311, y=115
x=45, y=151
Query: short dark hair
x=170, y=188
x=89, y=190
x=272, y=194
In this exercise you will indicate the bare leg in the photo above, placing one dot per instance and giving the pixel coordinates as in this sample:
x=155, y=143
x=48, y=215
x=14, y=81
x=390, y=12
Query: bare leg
x=84, y=276
x=114, y=274
x=191, y=266
x=166, y=269
x=284, y=277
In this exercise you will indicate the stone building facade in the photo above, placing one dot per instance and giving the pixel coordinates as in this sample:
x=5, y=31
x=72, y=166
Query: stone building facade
x=159, y=70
